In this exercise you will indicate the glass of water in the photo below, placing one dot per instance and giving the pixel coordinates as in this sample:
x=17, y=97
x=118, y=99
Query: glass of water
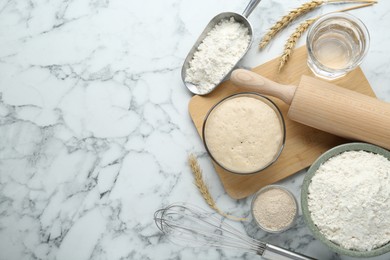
x=336, y=44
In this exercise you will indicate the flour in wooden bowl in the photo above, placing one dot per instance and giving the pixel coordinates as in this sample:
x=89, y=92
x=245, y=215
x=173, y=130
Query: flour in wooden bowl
x=349, y=200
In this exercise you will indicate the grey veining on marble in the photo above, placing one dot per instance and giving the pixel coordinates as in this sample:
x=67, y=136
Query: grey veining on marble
x=95, y=129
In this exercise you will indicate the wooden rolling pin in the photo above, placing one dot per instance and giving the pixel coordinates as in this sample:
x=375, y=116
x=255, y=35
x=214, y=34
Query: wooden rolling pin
x=327, y=107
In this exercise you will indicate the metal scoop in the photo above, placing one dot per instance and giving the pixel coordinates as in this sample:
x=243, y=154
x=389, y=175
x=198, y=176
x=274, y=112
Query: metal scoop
x=239, y=18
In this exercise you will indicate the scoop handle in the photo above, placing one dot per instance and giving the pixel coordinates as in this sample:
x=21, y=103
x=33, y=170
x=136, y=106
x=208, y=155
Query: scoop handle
x=257, y=83
x=249, y=8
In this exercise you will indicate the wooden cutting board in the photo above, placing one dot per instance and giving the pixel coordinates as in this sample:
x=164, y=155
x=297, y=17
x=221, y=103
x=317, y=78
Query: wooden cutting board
x=303, y=144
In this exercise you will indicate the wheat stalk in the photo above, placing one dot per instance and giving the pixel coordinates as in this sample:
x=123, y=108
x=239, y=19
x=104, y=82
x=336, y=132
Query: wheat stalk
x=285, y=20
x=203, y=189
x=295, y=13
x=294, y=37
x=292, y=41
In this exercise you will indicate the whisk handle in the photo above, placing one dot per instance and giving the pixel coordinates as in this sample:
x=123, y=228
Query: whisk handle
x=272, y=252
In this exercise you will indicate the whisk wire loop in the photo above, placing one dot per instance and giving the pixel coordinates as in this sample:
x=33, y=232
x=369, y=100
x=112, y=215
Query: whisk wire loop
x=188, y=225
x=191, y=226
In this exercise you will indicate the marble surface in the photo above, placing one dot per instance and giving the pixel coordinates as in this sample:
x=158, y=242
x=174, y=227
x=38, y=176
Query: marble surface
x=95, y=129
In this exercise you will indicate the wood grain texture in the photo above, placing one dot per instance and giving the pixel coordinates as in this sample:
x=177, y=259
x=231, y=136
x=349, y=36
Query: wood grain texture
x=303, y=145
x=341, y=111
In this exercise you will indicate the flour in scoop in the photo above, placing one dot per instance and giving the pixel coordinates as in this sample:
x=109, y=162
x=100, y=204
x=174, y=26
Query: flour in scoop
x=349, y=200
x=217, y=54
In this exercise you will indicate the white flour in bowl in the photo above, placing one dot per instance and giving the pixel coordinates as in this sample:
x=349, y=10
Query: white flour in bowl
x=349, y=200
x=217, y=54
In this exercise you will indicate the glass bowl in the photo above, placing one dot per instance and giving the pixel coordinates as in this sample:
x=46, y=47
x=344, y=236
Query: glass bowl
x=263, y=226
x=233, y=136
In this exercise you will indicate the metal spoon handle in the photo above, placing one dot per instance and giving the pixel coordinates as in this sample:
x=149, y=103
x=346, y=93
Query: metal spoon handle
x=249, y=8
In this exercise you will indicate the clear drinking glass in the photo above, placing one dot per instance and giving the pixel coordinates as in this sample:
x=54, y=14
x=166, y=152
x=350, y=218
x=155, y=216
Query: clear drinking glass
x=336, y=44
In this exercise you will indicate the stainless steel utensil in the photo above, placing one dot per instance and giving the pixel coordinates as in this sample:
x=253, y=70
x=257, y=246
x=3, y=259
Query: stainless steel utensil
x=239, y=18
x=188, y=225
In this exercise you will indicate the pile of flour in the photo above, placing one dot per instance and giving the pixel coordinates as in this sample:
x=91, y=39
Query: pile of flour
x=274, y=209
x=349, y=200
x=217, y=54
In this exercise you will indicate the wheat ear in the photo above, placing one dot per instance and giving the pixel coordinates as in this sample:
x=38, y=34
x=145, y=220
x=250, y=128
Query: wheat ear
x=285, y=20
x=294, y=37
x=292, y=41
x=203, y=189
x=295, y=13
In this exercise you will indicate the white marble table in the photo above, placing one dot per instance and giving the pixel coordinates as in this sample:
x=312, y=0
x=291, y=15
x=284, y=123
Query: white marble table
x=95, y=129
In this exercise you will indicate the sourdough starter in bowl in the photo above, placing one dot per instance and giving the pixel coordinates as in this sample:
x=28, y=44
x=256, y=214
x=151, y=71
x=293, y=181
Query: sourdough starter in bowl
x=244, y=133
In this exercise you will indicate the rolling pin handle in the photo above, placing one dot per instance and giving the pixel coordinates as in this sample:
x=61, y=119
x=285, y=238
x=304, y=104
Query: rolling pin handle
x=257, y=83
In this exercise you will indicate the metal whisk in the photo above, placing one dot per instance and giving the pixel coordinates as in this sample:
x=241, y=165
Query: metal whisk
x=188, y=225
